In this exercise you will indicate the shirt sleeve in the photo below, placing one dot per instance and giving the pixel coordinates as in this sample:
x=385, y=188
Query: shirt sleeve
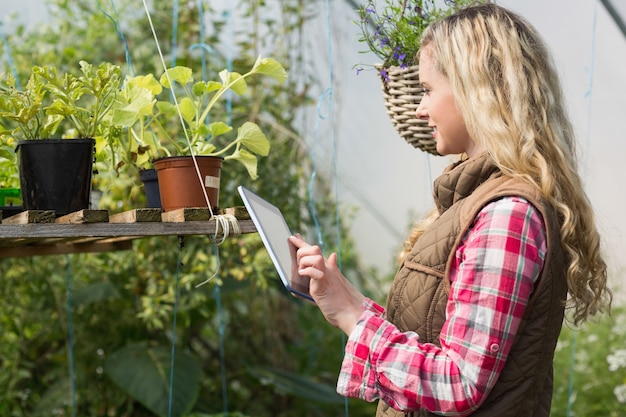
x=492, y=277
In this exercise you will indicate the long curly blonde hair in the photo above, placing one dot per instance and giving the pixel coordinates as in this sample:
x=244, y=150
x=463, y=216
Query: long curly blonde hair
x=508, y=91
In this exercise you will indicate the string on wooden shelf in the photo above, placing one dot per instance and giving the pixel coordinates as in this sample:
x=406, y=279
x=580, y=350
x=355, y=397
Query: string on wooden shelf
x=177, y=106
x=224, y=221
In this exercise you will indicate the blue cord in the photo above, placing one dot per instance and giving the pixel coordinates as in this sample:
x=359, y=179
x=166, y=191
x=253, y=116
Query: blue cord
x=326, y=95
x=176, y=296
x=590, y=87
x=70, y=332
x=220, y=314
x=202, y=36
x=331, y=113
x=116, y=24
x=570, y=393
x=229, y=64
x=174, y=34
x=10, y=58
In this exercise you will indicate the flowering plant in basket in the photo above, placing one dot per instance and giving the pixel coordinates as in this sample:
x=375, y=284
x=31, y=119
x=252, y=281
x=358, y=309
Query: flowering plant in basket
x=393, y=32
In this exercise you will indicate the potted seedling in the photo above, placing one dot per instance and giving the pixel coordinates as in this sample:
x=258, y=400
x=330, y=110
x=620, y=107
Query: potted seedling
x=199, y=152
x=57, y=119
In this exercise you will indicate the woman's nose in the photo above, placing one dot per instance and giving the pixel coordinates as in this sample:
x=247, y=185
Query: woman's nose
x=422, y=110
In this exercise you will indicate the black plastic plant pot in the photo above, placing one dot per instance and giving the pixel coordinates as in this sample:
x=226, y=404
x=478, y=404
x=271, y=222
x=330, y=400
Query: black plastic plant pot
x=55, y=174
x=151, y=187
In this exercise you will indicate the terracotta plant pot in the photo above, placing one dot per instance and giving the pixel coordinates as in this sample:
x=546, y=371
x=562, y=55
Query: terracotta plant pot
x=180, y=185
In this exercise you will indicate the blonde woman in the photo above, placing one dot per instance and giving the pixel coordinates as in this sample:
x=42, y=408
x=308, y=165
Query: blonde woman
x=475, y=310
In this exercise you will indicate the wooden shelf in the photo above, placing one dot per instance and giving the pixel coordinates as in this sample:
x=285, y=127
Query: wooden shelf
x=35, y=232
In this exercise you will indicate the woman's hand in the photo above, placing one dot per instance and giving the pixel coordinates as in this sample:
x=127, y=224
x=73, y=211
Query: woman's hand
x=336, y=297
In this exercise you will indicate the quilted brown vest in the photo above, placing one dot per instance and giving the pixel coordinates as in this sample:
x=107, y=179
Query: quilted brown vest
x=418, y=296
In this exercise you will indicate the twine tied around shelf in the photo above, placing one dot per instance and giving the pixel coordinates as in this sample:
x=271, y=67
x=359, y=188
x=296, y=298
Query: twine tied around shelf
x=223, y=222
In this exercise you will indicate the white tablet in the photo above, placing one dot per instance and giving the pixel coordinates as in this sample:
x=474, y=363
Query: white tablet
x=274, y=232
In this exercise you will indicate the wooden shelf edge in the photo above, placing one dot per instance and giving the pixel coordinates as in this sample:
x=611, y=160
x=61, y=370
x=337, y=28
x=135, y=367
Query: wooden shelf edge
x=38, y=233
x=65, y=248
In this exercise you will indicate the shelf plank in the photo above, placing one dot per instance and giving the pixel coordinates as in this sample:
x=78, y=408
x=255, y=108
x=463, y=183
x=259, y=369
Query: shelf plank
x=31, y=216
x=186, y=215
x=138, y=215
x=85, y=216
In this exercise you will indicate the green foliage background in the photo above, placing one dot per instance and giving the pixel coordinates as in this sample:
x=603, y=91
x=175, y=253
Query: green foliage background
x=240, y=336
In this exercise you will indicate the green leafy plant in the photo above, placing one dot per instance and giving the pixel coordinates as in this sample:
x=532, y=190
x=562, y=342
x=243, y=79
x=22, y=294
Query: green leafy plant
x=393, y=31
x=84, y=101
x=23, y=111
x=134, y=112
x=80, y=104
x=193, y=107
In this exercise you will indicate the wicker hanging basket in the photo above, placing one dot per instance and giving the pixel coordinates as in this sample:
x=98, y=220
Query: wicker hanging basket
x=402, y=93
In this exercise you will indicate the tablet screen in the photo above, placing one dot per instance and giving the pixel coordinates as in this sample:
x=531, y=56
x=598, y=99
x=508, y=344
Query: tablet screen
x=275, y=232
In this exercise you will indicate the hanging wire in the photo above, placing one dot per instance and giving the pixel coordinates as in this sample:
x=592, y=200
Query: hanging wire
x=589, y=91
x=10, y=58
x=324, y=98
x=228, y=15
x=116, y=24
x=588, y=96
x=331, y=115
x=206, y=49
x=181, y=243
x=217, y=295
x=327, y=99
x=174, y=34
x=217, y=291
x=70, y=334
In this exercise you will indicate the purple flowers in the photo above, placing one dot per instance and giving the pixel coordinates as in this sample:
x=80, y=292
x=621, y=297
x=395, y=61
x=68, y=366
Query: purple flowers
x=383, y=73
x=399, y=56
x=392, y=32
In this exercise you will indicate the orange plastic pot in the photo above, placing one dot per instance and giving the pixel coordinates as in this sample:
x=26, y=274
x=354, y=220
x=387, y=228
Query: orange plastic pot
x=182, y=185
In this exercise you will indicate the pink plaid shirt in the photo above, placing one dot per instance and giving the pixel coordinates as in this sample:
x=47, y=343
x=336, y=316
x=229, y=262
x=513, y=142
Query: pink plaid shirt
x=492, y=277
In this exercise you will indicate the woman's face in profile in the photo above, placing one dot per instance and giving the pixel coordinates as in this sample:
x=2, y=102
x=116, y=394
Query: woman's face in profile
x=438, y=106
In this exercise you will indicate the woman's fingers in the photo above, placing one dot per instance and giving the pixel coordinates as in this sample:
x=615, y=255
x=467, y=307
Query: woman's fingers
x=308, y=257
x=339, y=301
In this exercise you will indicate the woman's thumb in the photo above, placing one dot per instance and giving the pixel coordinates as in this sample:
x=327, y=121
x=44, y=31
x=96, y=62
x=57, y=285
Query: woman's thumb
x=332, y=260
